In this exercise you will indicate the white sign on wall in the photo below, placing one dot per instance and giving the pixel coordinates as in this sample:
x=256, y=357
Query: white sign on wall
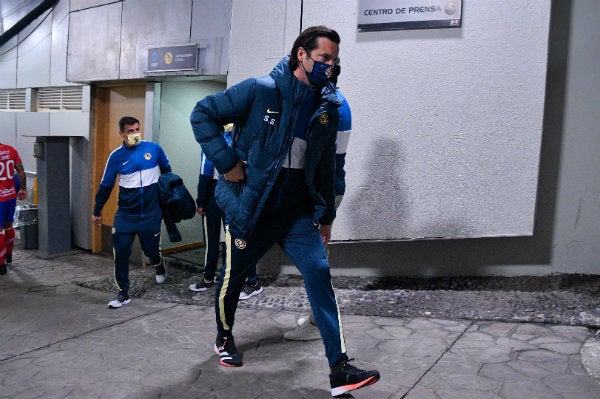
x=377, y=15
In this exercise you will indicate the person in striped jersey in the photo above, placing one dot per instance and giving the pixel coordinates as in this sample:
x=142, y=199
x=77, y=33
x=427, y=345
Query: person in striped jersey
x=138, y=164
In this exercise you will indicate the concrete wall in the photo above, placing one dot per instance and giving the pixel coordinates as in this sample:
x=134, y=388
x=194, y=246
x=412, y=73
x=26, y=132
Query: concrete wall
x=262, y=32
x=447, y=123
x=566, y=233
x=576, y=243
x=64, y=47
x=116, y=45
x=36, y=58
x=487, y=147
x=13, y=11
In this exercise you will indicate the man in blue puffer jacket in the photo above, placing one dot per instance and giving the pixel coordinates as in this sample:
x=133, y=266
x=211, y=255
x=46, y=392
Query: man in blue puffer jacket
x=277, y=186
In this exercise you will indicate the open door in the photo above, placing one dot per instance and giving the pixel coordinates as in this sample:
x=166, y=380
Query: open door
x=111, y=103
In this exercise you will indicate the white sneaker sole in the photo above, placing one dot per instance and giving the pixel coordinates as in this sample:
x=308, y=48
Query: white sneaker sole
x=117, y=304
x=195, y=289
x=243, y=296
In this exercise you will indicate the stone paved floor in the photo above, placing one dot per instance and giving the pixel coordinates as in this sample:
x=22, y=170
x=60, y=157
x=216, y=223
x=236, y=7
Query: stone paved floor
x=554, y=299
x=58, y=340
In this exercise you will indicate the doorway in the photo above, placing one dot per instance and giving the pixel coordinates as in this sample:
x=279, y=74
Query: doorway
x=111, y=103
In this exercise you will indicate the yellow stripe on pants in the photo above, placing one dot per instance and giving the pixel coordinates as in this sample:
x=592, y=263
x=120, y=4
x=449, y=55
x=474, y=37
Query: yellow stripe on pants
x=225, y=285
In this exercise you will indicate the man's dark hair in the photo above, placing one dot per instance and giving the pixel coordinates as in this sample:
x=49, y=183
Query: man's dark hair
x=308, y=40
x=127, y=120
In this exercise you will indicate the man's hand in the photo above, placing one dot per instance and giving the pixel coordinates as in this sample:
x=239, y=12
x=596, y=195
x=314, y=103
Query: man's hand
x=325, y=230
x=22, y=194
x=97, y=220
x=201, y=211
x=237, y=173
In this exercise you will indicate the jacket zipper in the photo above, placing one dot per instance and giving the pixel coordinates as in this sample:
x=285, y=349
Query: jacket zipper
x=287, y=148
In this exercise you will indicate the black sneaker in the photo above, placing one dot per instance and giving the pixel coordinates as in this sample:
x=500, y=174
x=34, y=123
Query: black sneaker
x=8, y=258
x=250, y=289
x=201, y=286
x=228, y=353
x=121, y=299
x=3, y=269
x=345, y=377
x=161, y=272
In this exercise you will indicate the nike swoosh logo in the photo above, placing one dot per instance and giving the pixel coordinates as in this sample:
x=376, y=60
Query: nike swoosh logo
x=156, y=235
x=125, y=162
x=271, y=112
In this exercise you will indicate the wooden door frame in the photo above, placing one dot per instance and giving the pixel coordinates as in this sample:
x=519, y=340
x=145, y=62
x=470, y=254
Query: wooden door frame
x=104, y=131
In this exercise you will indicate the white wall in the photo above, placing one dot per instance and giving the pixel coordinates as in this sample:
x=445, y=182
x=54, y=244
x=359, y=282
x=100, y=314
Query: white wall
x=262, y=33
x=566, y=233
x=116, y=45
x=447, y=123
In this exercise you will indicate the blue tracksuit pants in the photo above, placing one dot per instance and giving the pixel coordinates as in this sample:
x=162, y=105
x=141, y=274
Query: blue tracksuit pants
x=124, y=231
x=212, y=233
x=292, y=227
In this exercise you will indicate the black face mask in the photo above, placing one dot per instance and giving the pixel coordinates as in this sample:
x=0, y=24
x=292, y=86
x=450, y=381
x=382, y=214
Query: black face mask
x=320, y=74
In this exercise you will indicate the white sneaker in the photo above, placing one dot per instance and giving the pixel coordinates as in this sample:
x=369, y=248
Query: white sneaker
x=201, y=285
x=121, y=299
x=306, y=331
x=249, y=290
x=161, y=272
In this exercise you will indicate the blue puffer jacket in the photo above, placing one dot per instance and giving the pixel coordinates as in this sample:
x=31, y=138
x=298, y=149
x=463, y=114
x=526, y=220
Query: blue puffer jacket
x=264, y=113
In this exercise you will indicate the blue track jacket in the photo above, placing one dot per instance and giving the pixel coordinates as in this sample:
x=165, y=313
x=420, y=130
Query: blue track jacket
x=138, y=168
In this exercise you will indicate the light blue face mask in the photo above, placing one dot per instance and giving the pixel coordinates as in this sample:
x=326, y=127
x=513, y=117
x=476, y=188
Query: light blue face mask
x=320, y=74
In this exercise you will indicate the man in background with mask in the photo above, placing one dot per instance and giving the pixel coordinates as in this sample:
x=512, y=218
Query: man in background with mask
x=277, y=186
x=138, y=163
